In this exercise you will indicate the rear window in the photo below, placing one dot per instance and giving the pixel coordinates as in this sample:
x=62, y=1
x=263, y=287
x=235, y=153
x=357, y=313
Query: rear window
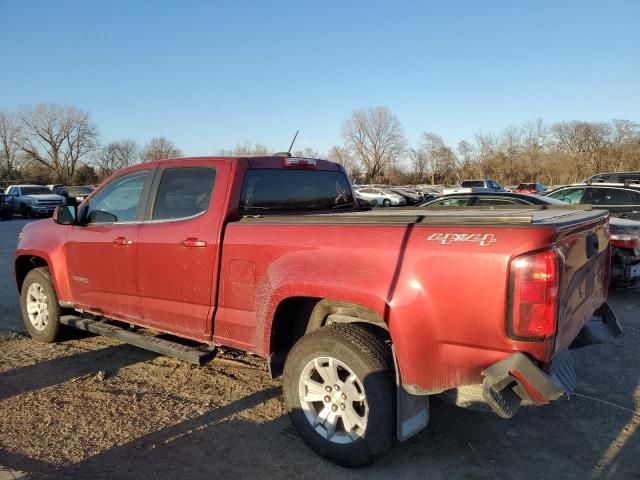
x=473, y=184
x=275, y=189
x=608, y=196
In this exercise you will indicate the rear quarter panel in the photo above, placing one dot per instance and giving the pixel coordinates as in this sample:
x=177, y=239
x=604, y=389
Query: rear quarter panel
x=444, y=304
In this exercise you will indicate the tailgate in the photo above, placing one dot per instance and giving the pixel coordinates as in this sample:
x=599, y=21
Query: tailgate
x=585, y=270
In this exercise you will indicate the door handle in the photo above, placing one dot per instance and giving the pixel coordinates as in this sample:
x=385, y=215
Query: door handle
x=122, y=241
x=193, y=242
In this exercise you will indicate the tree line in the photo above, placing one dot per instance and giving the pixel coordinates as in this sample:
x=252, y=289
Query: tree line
x=52, y=143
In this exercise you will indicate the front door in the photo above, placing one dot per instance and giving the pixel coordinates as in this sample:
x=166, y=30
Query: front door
x=177, y=248
x=102, y=253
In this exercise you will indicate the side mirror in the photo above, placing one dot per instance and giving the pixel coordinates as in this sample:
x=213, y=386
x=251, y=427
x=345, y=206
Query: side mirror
x=65, y=214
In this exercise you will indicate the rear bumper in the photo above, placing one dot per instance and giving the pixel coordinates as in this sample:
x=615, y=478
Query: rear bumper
x=517, y=378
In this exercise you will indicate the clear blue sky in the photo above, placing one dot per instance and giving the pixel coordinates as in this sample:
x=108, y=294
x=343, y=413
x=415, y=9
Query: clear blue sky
x=210, y=74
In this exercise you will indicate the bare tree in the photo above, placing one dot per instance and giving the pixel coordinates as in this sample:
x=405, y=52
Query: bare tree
x=57, y=137
x=9, y=144
x=159, y=148
x=342, y=156
x=246, y=149
x=306, y=152
x=116, y=155
x=439, y=160
x=375, y=137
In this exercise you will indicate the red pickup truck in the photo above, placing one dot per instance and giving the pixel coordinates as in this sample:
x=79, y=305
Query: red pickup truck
x=365, y=313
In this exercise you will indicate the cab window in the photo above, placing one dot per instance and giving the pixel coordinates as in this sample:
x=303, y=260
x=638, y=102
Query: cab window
x=183, y=192
x=118, y=201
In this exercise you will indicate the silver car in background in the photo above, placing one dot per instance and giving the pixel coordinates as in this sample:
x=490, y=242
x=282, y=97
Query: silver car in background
x=381, y=196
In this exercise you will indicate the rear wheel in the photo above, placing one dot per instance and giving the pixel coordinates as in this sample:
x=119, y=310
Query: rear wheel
x=339, y=391
x=40, y=308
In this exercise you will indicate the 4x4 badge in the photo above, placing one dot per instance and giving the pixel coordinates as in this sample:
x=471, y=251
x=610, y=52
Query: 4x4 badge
x=483, y=239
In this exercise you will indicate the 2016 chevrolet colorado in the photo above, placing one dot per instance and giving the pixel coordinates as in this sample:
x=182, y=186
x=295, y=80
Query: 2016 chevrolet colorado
x=366, y=313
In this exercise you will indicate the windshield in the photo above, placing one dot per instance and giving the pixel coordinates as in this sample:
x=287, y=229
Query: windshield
x=473, y=184
x=275, y=189
x=35, y=191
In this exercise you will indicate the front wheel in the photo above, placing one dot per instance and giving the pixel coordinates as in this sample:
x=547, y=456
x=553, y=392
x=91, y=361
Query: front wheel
x=25, y=211
x=40, y=308
x=340, y=395
x=386, y=202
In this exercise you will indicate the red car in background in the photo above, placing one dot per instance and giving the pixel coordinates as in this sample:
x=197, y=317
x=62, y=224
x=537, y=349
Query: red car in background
x=531, y=188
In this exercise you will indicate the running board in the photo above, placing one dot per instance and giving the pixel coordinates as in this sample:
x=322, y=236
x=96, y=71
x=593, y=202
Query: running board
x=155, y=344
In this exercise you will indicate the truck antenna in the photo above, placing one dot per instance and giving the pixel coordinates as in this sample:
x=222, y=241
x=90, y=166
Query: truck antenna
x=292, y=142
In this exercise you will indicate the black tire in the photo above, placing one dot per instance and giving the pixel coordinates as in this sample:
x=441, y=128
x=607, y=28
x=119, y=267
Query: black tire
x=42, y=277
x=370, y=360
x=25, y=211
x=386, y=202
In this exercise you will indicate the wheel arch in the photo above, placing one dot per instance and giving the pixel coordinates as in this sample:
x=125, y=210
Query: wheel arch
x=23, y=264
x=296, y=316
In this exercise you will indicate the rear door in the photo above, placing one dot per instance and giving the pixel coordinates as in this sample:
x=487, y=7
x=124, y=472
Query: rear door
x=178, y=247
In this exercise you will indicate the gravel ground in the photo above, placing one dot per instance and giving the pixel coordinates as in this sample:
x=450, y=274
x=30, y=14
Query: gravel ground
x=90, y=407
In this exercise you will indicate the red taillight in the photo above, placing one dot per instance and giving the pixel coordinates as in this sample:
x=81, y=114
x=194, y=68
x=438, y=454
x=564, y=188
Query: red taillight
x=533, y=296
x=623, y=240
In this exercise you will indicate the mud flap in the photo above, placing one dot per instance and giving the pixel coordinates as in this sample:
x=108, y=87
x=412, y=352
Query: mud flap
x=604, y=326
x=412, y=411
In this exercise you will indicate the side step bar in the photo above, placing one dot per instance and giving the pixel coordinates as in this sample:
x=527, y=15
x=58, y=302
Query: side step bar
x=155, y=344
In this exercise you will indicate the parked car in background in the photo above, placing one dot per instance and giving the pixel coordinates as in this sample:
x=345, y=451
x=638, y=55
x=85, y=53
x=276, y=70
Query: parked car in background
x=411, y=196
x=34, y=200
x=614, y=177
x=381, y=196
x=365, y=202
x=531, y=188
x=73, y=193
x=489, y=199
x=433, y=190
x=623, y=201
x=6, y=206
x=625, y=234
x=475, y=186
